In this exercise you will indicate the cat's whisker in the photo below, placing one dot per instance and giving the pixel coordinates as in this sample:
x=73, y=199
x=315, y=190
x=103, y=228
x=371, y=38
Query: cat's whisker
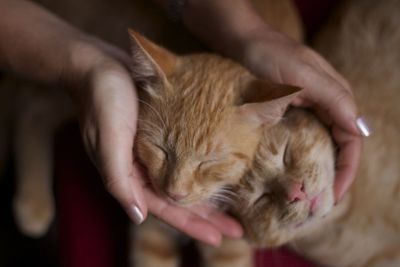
x=139, y=140
x=149, y=130
x=215, y=200
x=219, y=198
x=148, y=123
x=229, y=192
x=213, y=203
x=155, y=112
x=225, y=193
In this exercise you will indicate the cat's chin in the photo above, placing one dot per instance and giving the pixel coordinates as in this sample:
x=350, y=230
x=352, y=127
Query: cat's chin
x=285, y=235
x=319, y=207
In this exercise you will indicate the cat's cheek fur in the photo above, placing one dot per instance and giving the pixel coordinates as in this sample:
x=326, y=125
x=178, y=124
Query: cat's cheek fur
x=151, y=158
x=325, y=204
x=271, y=232
x=210, y=185
x=257, y=238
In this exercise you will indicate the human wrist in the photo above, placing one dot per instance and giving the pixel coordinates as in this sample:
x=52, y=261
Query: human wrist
x=87, y=57
x=265, y=49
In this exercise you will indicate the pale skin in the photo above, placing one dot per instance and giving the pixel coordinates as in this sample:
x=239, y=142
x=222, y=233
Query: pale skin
x=96, y=76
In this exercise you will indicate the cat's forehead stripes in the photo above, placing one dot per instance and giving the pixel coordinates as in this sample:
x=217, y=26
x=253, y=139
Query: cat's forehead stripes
x=199, y=109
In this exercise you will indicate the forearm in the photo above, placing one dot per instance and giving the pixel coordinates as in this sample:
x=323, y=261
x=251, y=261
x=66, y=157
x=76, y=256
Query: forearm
x=224, y=25
x=38, y=45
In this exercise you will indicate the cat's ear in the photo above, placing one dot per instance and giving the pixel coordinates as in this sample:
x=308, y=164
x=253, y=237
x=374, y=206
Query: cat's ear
x=151, y=63
x=265, y=103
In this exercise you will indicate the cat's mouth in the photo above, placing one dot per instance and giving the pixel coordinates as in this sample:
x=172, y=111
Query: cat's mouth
x=313, y=205
x=315, y=209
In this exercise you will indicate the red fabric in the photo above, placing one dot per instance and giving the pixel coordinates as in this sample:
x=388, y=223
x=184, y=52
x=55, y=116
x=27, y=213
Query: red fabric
x=281, y=257
x=92, y=227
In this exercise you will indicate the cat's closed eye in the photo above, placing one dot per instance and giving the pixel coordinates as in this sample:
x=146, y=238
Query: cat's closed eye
x=206, y=163
x=265, y=195
x=162, y=152
x=286, y=158
x=153, y=156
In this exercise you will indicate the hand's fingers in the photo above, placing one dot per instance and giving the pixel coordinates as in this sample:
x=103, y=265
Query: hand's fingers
x=113, y=158
x=126, y=187
x=184, y=220
x=347, y=160
x=121, y=177
x=110, y=138
x=333, y=73
x=224, y=223
x=337, y=102
x=336, y=107
x=116, y=53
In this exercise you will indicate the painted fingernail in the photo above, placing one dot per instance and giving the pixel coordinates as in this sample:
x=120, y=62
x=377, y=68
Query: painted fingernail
x=363, y=127
x=136, y=215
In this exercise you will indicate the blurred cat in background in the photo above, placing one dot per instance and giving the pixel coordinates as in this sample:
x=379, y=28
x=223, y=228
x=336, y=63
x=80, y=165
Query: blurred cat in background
x=277, y=170
x=363, y=230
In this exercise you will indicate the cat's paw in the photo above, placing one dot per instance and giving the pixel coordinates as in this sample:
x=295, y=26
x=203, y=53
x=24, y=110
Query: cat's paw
x=33, y=215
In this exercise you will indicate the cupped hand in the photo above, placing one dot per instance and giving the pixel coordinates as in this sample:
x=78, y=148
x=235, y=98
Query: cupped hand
x=108, y=110
x=276, y=57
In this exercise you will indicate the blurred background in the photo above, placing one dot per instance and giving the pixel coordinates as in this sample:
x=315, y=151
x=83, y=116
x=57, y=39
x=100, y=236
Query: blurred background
x=17, y=250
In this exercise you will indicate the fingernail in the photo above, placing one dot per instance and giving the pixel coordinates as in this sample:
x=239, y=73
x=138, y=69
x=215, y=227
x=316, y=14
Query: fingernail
x=214, y=240
x=237, y=232
x=363, y=127
x=136, y=215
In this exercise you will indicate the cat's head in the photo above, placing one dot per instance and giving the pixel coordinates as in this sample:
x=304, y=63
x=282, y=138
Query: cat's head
x=200, y=120
x=290, y=187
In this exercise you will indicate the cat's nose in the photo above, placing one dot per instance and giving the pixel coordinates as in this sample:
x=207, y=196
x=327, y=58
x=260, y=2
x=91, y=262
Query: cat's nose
x=296, y=192
x=177, y=196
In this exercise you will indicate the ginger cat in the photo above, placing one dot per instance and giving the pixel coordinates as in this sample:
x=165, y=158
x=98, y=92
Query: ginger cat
x=33, y=204
x=364, y=229
x=276, y=173
x=362, y=43
x=201, y=120
x=35, y=123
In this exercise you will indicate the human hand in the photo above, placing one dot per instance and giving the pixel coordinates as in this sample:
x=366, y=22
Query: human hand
x=274, y=56
x=96, y=76
x=108, y=110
